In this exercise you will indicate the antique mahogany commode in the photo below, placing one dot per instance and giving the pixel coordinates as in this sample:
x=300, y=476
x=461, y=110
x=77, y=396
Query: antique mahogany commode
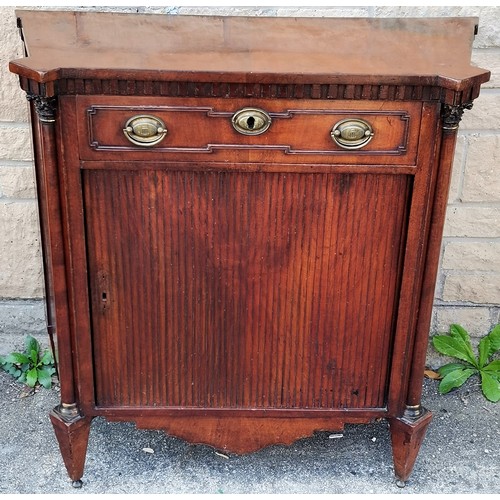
x=241, y=218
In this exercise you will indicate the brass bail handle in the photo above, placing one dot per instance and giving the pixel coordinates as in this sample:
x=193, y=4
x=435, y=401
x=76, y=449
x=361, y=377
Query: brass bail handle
x=352, y=133
x=145, y=130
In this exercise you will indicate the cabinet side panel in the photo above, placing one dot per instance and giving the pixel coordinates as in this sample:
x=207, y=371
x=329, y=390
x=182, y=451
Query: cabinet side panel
x=243, y=290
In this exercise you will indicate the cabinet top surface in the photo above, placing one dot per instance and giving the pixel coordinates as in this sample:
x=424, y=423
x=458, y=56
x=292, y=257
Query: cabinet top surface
x=64, y=44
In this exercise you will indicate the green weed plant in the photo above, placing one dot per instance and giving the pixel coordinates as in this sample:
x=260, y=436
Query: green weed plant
x=457, y=345
x=31, y=367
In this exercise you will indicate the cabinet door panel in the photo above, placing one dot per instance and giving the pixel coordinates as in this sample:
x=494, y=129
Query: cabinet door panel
x=243, y=289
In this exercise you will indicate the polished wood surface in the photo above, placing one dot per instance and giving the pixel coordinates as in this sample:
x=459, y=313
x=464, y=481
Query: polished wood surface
x=249, y=290
x=232, y=290
x=234, y=431
x=87, y=44
x=200, y=130
x=73, y=440
x=407, y=436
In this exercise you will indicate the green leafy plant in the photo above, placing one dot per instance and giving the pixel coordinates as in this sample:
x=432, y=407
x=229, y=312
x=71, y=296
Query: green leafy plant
x=31, y=367
x=457, y=345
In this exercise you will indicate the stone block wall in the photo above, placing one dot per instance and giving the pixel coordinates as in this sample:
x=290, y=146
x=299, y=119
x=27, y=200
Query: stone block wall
x=468, y=289
x=21, y=278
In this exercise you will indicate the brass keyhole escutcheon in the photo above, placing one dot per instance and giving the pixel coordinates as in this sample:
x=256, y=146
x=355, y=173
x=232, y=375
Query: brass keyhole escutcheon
x=251, y=121
x=352, y=133
x=145, y=130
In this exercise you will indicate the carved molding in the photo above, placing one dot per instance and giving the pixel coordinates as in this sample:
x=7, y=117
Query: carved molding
x=325, y=91
x=389, y=92
x=45, y=107
x=453, y=114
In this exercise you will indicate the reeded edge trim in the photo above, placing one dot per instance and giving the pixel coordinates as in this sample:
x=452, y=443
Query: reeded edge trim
x=390, y=91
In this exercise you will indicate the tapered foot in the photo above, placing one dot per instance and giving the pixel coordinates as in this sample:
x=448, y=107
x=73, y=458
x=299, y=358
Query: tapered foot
x=407, y=434
x=72, y=432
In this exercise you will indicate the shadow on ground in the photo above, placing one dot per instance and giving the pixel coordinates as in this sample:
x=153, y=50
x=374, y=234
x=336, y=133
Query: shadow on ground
x=460, y=454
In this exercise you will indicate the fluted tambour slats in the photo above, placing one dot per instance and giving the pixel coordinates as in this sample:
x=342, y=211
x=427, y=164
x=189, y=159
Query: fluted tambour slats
x=243, y=290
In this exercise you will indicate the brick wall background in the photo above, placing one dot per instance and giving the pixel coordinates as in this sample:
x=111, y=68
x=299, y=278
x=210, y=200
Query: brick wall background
x=468, y=289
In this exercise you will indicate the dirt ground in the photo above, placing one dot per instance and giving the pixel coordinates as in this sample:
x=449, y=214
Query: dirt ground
x=460, y=454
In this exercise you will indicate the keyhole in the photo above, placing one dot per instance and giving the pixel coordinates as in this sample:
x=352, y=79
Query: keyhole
x=249, y=121
x=104, y=296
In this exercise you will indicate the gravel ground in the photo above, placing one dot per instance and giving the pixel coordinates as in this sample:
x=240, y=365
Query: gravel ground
x=460, y=454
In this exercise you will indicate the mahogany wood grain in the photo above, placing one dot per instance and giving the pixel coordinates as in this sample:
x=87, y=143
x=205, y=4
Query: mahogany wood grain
x=407, y=436
x=231, y=290
x=231, y=433
x=90, y=45
x=200, y=130
x=419, y=220
x=71, y=207
x=52, y=233
x=239, y=283
x=72, y=437
x=446, y=152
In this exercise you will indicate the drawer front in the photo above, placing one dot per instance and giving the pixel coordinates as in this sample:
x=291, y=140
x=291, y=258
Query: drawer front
x=298, y=131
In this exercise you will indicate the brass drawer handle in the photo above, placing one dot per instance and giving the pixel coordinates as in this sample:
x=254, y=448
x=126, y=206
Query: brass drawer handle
x=145, y=130
x=352, y=133
x=251, y=121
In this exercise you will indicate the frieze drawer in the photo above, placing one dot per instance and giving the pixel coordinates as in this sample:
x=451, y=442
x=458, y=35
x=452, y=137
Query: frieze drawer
x=215, y=130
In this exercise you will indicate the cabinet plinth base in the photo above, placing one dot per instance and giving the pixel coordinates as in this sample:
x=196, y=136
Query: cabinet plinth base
x=72, y=434
x=407, y=434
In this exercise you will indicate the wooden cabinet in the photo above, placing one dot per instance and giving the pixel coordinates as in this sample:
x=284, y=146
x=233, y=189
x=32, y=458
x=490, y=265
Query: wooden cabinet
x=241, y=219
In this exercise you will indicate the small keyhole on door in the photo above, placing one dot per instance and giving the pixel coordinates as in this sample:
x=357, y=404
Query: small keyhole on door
x=250, y=122
x=104, y=296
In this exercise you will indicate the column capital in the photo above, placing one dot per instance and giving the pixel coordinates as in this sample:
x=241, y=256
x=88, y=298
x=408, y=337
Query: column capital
x=45, y=107
x=452, y=114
